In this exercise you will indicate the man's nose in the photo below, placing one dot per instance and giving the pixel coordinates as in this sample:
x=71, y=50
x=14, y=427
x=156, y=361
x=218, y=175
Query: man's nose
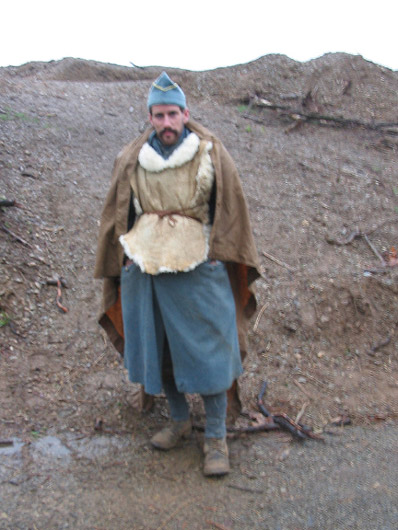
x=167, y=121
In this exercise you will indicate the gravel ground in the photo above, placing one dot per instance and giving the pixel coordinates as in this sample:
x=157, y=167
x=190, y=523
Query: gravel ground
x=347, y=482
x=324, y=338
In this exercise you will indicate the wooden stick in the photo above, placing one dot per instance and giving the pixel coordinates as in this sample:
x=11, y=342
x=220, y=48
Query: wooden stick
x=377, y=347
x=300, y=386
x=259, y=316
x=312, y=378
x=6, y=443
x=300, y=414
x=278, y=261
x=59, y=297
x=29, y=175
x=357, y=233
x=217, y=525
x=17, y=238
x=374, y=250
x=55, y=282
x=268, y=425
x=137, y=66
x=296, y=114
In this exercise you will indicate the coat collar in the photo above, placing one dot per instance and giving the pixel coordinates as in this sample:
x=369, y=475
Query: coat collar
x=152, y=161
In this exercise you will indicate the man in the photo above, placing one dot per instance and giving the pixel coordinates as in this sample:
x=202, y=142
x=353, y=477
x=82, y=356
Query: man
x=175, y=233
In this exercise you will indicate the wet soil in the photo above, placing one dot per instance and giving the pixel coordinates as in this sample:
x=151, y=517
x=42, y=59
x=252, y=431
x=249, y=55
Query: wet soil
x=118, y=482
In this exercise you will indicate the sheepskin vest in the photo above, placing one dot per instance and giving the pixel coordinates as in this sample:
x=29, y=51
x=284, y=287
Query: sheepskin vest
x=171, y=200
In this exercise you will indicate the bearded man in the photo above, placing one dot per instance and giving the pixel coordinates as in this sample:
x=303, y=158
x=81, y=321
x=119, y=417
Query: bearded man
x=178, y=258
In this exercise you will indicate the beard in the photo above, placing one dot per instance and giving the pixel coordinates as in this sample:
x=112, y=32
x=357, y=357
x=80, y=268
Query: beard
x=168, y=130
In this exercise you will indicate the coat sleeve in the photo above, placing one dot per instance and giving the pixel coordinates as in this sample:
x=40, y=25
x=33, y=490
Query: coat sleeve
x=106, y=263
x=231, y=238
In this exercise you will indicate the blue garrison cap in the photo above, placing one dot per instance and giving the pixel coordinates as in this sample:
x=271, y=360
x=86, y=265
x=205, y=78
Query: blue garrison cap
x=165, y=92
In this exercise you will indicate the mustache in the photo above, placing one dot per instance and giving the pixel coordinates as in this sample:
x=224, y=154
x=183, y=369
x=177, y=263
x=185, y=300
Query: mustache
x=168, y=129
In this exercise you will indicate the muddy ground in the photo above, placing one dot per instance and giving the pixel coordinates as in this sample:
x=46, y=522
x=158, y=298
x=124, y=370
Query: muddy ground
x=319, y=170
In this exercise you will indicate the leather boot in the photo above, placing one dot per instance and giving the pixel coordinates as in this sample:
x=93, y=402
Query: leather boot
x=168, y=437
x=216, y=457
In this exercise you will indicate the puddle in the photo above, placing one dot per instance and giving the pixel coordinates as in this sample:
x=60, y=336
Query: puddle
x=13, y=449
x=99, y=446
x=11, y=458
x=50, y=447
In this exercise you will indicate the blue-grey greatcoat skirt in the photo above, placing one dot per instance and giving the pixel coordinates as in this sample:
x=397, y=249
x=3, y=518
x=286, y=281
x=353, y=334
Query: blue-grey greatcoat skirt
x=196, y=311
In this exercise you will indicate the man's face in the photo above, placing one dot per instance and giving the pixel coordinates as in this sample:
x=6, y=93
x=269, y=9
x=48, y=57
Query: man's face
x=168, y=122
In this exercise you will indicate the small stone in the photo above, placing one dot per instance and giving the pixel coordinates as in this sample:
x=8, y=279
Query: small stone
x=284, y=454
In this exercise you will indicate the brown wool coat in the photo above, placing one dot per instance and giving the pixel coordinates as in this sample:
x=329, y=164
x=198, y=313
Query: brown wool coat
x=231, y=238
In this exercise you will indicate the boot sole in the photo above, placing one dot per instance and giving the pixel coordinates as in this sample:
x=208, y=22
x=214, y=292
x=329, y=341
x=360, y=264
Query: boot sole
x=219, y=473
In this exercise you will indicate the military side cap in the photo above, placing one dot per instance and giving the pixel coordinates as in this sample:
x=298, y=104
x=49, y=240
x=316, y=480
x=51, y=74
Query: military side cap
x=165, y=92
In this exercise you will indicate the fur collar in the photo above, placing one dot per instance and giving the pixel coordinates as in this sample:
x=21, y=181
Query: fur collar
x=152, y=161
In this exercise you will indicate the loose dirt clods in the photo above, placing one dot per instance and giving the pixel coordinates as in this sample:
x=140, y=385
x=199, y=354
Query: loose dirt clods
x=326, y=339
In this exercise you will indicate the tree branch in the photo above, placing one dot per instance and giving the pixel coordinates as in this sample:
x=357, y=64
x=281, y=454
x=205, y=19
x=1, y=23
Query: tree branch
x=315, y=116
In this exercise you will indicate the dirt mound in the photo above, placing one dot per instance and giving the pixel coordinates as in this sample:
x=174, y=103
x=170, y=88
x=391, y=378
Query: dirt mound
x=349, y=84
x=324, y=204
x=70, y=69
